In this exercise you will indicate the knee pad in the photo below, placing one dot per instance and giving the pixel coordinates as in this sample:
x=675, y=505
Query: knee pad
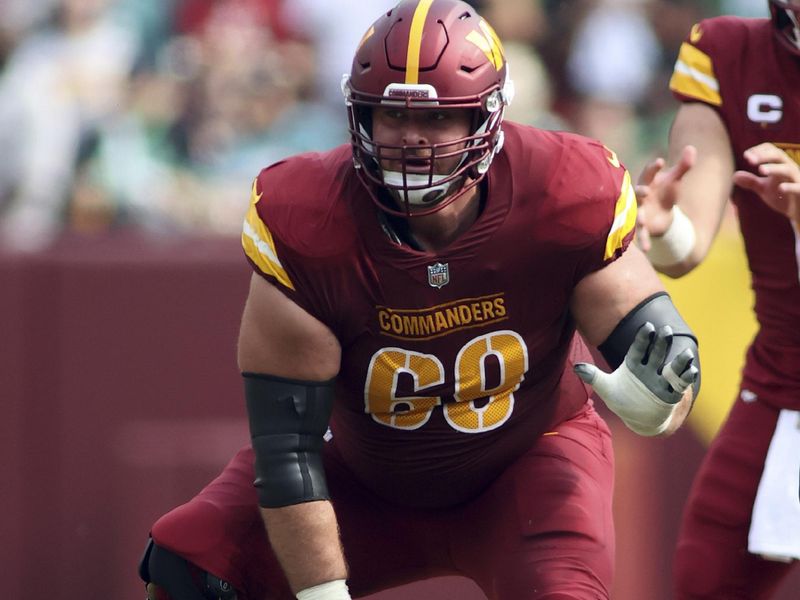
x=179, y=578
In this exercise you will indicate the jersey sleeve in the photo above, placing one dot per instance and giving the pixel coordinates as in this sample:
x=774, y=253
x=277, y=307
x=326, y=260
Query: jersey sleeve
x=259, y=244
x=600, y=215
x=274, y=245
x=623, y=224
x=695, y=76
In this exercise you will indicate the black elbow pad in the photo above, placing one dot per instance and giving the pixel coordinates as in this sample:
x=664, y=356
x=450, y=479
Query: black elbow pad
x=288, y=422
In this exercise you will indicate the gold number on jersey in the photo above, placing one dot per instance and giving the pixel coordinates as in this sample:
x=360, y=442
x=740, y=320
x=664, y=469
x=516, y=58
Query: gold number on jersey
x=380, y=389
x=387, y=365
x=471, y=382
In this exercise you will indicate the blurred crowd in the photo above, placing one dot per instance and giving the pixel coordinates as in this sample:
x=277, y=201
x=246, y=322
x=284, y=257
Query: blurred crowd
x=157, y=114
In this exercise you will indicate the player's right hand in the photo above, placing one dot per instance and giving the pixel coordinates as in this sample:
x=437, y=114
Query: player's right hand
x=656, y=193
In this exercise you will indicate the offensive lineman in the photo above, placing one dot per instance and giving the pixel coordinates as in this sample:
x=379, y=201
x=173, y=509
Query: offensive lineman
x=418, y=291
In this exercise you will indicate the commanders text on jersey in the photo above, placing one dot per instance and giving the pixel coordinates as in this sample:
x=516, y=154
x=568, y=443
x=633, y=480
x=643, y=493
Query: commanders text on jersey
x=442, y=319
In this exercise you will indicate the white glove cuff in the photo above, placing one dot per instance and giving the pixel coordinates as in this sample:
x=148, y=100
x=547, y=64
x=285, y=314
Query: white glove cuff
x=677, y=242
x=330, y=590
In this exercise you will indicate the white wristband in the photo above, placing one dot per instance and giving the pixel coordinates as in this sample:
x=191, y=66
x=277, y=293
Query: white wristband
x=677, y=242
x=330, y=590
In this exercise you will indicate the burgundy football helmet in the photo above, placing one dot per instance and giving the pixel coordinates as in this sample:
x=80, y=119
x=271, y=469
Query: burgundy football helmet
x=786, y=19
x=419, y=55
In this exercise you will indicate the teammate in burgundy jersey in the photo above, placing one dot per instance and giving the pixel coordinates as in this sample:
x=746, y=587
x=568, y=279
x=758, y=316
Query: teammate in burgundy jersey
x=737, y=135
x=418, y=292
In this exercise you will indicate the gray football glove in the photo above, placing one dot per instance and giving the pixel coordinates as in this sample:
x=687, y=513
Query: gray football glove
x=639, y=391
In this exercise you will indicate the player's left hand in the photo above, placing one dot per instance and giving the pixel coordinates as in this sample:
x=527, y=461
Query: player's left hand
x=643, y=391
x=657, y=191
x=778, y=179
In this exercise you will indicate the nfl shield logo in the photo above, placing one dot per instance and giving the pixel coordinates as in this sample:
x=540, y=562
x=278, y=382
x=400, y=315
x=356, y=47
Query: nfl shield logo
x=438, y=275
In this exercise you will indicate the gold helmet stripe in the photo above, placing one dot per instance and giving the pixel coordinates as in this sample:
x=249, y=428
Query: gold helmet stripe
x=415, y=41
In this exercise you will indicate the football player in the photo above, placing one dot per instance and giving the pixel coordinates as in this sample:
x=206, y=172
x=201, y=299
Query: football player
x=418, y=397
x=737, y=135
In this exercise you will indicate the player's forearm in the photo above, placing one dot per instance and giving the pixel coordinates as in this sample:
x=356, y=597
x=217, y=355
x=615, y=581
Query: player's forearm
x=706, y=187
x=696, y=220
x=305, y=538
x=704, y=199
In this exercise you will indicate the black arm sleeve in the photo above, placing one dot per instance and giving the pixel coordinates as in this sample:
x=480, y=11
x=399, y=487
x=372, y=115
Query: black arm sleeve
x=288, y=421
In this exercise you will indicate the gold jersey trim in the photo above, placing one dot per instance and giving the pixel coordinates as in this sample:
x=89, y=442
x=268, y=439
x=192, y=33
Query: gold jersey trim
x=259, y=246
x=792, y=150
x=624, y=217
x=694, y=76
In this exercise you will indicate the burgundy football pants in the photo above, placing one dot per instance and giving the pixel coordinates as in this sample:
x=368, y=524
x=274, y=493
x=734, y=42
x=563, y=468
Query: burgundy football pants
x=542, y=530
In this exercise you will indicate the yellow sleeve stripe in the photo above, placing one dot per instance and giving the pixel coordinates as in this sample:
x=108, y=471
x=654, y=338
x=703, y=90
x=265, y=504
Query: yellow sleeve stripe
x=260, y=247
x=624, y=217
x=694, y=76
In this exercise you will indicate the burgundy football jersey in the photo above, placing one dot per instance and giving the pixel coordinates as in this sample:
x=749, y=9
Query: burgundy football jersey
x=453, y=362
x=739, y=68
